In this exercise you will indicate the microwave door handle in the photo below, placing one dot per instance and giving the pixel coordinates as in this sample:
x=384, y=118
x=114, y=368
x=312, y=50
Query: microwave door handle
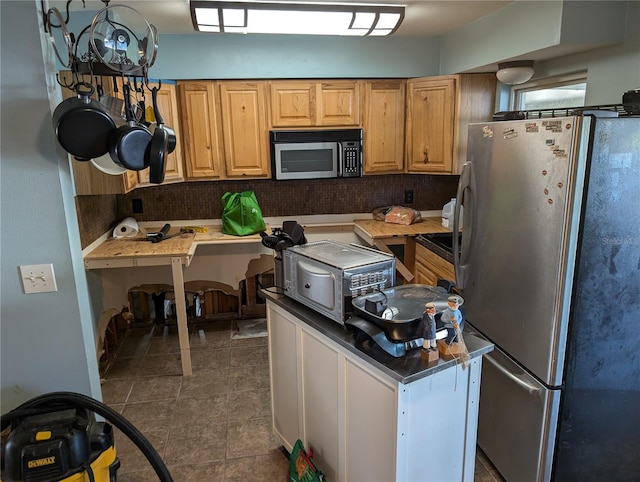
x=340, y=168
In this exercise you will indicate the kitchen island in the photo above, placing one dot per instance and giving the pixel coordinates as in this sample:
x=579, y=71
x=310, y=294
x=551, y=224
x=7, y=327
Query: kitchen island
x=367, y=415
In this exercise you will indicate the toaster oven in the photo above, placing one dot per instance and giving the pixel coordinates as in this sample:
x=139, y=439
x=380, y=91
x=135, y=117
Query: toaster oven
x=327, y=275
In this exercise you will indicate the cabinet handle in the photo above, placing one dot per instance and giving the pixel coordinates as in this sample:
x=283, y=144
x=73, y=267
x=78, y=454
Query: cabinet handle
x=426, y=156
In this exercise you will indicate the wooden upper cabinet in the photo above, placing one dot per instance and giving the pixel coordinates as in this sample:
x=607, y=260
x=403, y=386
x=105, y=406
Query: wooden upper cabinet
x=439, y=111
x=476, y=102
x=246, y=138
x=293, y=104
x=314, y=103
x=201, y=129
x=338, y=103
x=168, y=107
x=383, y=122
x=430, y=125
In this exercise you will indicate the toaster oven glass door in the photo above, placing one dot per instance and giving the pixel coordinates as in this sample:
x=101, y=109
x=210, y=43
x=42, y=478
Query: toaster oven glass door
x=306, y=160
x=316, y=284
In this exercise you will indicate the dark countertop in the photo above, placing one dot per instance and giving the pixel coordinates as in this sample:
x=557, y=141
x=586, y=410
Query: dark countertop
x=406, y=369
x=430, y=245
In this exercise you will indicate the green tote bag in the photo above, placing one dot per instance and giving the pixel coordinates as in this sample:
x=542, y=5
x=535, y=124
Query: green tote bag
x=241, y=214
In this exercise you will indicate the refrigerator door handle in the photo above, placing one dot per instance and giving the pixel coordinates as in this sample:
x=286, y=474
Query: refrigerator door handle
x=521, y=383
x=465, y=195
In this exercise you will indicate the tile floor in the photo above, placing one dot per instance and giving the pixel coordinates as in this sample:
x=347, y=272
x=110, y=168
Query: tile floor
x=213, y=426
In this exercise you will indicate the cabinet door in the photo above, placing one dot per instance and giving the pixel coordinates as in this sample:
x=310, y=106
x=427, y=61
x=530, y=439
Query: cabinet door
x=246, y=138
x=371, y=413
x=383, y=119
x=424, y=276
x=475, y=103
x=168, y=107
x=284, y=365
x=338, y=103
x=293, y=104
x=322, y=402
x=430, y=125
x=200, y=125
x=430, y=267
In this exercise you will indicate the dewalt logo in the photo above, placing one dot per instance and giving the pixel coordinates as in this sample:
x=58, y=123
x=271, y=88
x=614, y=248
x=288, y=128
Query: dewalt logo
x=32, y=464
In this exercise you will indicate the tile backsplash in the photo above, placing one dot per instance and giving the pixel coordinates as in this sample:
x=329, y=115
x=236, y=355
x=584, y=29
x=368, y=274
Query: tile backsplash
x=202, y=200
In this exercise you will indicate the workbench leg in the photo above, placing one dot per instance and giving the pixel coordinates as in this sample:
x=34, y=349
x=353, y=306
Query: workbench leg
x=181, y=314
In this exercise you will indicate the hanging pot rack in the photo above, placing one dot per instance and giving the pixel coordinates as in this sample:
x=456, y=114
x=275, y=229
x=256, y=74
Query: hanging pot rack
x=112, y=45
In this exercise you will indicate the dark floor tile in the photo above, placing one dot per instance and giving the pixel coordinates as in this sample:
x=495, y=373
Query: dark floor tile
x=116, y=390
x=123, y=368
x=206, y=360
x=273, y=466
x=205, y=442
x=155, y=388
x=245, y=378
x=248, y=342
x=164, y=345
x=485, y=469
x=152, y=414
x=147, y=475
x=205, y=383
x=210, y=472
x=249, y=355
x=249, y=405
x=190, y=412
x=134, y=347
x=250, y=437
x=165, y=365
x=203, y=338
x=213, y=325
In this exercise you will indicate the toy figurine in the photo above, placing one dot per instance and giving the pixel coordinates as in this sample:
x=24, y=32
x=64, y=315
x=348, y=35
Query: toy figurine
x=430, y=351
x=453, y=319
x=429, y=320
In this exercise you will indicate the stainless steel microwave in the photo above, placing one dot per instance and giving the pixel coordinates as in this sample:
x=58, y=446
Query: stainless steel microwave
x=316, y=154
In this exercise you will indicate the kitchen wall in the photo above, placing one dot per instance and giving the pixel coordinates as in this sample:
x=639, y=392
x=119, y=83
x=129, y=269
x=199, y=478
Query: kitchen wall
x=202, y=200
x=47, y=339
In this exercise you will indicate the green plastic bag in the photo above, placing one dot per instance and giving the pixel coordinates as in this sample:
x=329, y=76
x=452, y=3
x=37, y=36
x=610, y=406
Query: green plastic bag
x=241, y=214
x=301, y=466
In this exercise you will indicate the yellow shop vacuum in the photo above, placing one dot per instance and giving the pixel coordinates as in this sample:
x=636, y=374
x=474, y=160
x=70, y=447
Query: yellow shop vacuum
x=56, y=438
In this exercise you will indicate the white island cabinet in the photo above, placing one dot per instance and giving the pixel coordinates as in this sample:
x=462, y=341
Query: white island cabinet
x=370, y=418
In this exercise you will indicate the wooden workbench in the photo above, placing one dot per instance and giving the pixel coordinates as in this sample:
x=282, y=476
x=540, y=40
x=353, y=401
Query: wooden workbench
x=176, y=252
x=382, y=235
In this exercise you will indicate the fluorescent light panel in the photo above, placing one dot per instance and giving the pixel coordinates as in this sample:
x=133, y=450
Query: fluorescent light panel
x=296, y=18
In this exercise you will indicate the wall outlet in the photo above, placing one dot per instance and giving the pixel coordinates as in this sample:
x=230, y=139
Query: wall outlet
x=408, y=196
x=136, y=204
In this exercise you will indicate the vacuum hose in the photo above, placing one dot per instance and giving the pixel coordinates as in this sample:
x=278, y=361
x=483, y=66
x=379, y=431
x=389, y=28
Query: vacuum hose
x=65, y=400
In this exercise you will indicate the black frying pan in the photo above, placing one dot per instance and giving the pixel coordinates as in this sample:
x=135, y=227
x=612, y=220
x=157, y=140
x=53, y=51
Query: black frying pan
x=130, y=143
x=157, y=153
x=82, y=125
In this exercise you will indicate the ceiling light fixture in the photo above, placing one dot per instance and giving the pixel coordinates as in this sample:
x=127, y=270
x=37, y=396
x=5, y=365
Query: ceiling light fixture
x=516, y=72
x=296, y=18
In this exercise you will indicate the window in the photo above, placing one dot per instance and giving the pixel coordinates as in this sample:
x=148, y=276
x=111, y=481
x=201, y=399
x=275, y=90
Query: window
x=550, y=93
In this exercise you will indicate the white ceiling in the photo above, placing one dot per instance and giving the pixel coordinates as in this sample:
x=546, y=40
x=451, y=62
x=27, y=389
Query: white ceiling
x=422, y=17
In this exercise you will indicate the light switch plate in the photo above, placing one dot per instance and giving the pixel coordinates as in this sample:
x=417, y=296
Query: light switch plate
x=38, y=278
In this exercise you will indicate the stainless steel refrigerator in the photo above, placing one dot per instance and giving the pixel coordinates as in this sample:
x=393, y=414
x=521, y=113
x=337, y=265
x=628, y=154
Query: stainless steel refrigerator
x=549, y=269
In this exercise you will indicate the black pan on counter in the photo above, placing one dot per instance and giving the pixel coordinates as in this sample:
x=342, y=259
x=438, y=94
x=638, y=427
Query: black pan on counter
x=398, y=311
